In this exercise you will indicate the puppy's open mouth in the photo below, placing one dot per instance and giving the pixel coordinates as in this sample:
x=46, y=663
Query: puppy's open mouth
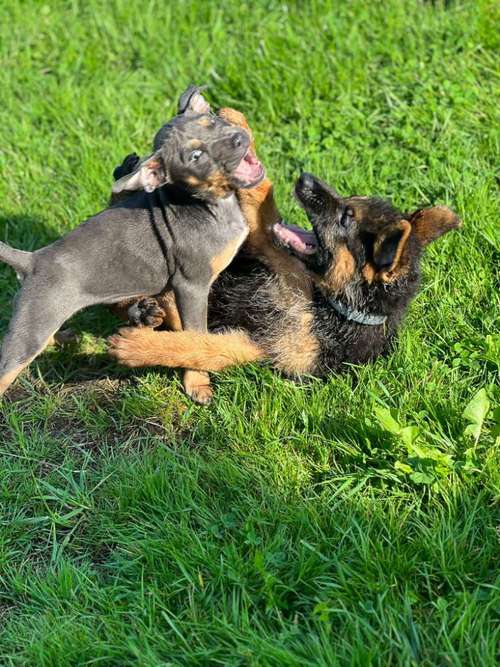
x=250, y=171
x=299, y=240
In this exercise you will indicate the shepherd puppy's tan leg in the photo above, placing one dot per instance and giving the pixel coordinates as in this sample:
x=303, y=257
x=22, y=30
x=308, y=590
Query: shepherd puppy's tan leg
x=183, y=349
x=197, y=386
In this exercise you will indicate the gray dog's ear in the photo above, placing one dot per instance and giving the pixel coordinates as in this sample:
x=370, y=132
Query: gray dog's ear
x=192, y=101
x=149, y=175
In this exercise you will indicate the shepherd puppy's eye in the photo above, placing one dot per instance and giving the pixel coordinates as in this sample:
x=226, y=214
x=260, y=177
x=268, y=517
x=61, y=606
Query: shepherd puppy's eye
x=195, y=155
x=346, y=216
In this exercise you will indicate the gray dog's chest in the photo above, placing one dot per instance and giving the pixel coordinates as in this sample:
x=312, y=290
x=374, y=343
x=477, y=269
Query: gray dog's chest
x=230, y=213
x=199, y=242
x=233, y=225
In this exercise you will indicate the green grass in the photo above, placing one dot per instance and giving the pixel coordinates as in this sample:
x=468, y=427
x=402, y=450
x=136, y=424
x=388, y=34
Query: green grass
x=347, y=522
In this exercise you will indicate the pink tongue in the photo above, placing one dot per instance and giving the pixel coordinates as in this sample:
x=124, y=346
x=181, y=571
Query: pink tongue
x=249, y=169
x=250, y=157
x=300, y=239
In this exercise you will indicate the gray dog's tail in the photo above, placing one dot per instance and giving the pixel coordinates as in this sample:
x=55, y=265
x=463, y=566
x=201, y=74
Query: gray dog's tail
x=21, y=261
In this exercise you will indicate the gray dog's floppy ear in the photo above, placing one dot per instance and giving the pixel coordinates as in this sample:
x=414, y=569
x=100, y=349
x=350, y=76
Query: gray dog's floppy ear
x=193, y=101
x=149, y=175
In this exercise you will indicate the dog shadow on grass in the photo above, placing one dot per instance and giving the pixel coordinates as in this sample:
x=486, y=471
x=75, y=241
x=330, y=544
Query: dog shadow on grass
x=26, y=232
x=78, y=361
x=30, y=233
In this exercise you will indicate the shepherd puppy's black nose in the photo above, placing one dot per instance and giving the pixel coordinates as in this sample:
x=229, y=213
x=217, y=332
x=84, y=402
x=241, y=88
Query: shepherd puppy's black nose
x=306, y=181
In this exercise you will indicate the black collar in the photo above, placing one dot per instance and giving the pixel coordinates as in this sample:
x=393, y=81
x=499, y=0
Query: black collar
x=356, y=315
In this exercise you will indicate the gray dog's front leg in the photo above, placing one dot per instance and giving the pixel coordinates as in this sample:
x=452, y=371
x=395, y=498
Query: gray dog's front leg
x=192, y=304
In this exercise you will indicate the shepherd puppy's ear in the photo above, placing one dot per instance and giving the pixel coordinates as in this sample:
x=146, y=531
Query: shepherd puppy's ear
x=431, y=223
x=388, y=247
x=148, y=175
x=192, y=101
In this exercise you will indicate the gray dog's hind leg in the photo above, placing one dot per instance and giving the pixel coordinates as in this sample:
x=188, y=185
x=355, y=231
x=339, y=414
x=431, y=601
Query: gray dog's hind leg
x=37, y=317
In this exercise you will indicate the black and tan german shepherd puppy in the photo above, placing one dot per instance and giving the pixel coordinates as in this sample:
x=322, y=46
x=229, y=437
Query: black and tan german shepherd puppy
x=360, y=271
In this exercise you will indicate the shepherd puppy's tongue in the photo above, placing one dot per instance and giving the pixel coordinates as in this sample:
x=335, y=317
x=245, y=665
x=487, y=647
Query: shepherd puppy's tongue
x=299, y=239
x=249, y=169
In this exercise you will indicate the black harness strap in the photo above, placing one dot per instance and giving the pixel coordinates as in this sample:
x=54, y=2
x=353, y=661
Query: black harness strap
x=157, y=233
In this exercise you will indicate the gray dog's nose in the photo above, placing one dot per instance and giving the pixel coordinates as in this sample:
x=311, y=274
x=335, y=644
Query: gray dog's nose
x=238, y=139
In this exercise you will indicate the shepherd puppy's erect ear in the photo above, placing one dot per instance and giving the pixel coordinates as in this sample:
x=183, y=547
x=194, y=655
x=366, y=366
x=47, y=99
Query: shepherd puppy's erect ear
x=431, y=223
x=149, y=175
x=388, y=247
x=192, y=101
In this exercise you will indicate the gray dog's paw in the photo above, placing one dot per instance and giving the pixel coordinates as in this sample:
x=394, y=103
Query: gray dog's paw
x=66, y=337
x=127, y=166
x=146, y=313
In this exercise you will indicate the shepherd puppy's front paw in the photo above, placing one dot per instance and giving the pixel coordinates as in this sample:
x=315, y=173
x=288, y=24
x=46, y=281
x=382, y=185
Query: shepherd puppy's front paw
x=197, y=386
x=132, y=347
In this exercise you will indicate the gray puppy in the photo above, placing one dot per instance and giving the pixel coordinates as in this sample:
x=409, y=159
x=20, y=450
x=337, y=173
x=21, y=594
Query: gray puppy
x=179, y=230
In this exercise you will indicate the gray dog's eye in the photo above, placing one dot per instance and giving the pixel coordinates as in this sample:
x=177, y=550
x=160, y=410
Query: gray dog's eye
x=195, y=155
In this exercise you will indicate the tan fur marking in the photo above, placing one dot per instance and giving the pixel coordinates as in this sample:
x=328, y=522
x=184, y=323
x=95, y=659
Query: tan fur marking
x=193, y=181
x=204, y=122
x=197, y=386
x=341, y=270
x=396, y=269
x=261, y=213
x=368, y=273
x=7, y=379
x=406, y=227
x=183, y=349
x=296, y=349
x=224, y=258
x=194, y=143
x=172, y=318
x=216, y=183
